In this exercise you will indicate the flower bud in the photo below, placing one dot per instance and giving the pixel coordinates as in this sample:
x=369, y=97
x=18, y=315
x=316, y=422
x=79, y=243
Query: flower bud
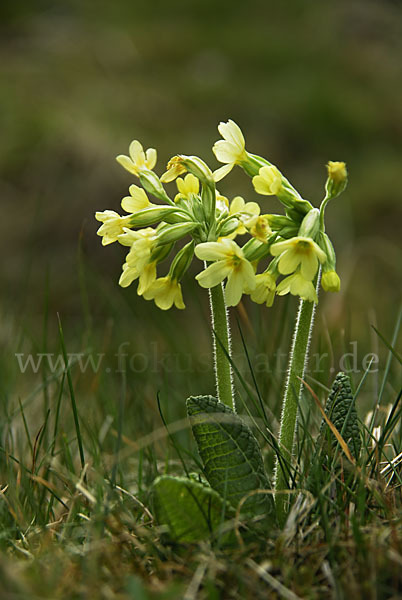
x=325, y=244
x=151, y=182
x=228, y=226
x=330, y=281
x=149, y=216
x=255, y=250
x=199, y=168
x=337, y=178
x=310, y=224
x=182, y=261
x=172, y=233
x=159, y=253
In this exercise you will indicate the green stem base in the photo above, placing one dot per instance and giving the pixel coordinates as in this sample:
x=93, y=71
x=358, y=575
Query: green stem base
x=293, y=390
x=222, y=346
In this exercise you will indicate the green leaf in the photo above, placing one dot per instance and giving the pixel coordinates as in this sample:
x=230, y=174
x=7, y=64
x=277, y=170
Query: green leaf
x=341, y=411
x=192, y=510
x=230, y=454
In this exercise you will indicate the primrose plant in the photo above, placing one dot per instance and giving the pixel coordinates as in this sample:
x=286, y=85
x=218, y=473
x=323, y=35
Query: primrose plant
x=298, y=257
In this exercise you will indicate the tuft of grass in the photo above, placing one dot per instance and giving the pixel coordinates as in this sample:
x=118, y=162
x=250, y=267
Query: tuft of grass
x=80, y=449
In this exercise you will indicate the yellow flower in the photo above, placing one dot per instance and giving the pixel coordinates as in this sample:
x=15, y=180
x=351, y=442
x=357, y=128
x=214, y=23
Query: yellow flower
x=146, y=276
x=165, y=291
x=245, y=211
x=138, y=261
x=259, y=228
x=330, y=281
x=264, y=290
x=138, y=159
x=113, y=225
x=231, y=150
x=268, y=182
x=187, y=186
x=136, y=201
x=230, y=263
x=129, y=237
x=297, y=251
x=174, y=168
x=298, y=286
x=337, y=171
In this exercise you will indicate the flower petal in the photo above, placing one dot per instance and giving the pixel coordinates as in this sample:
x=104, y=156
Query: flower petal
x=212, y=250
x=309, y=265
x=214, y=274
x=234, y=288
x=222, y=171
x=288, y=262
x=127, y=163
x=237, y=205
x=151, y=156
x=136, y=152
x=231, y=132
x=128, y=275
x=279, y=247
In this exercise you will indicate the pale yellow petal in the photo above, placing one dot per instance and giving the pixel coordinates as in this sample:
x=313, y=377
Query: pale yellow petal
x=234, y=288
x=128, y=275
x=136, y=201
x=127, y=163
x=211, y=250
x=279, y=247
x=252, y=208
x=151, y=157
x=309, y=265
x=237, y=205
x=226, y=152
x=136, y=152
x=214, y=274
x=222, y=172
x=288, y=262
x=231, y=132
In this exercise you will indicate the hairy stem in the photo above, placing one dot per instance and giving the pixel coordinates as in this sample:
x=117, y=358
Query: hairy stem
x=293, y=390
x=222, y=347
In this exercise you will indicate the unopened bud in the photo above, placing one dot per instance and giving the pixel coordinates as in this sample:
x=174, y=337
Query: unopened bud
x=151, y=182
x=182, y=261
x=172, y=233
x=330, y=281
x=149, y=216
x=337, y=178
x=310, y=224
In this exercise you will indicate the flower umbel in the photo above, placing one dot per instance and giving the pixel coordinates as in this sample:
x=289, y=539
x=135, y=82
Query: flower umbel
x=297, y=251
x=230, y=263
x=138, y=159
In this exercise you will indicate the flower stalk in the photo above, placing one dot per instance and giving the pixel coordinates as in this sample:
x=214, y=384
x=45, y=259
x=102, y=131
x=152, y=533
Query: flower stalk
x=293, y=389
x=222, y=346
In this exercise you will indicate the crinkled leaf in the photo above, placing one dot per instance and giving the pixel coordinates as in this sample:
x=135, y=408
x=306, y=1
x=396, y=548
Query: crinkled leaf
x=192, y=510
x=341, y=411
x=230, y=454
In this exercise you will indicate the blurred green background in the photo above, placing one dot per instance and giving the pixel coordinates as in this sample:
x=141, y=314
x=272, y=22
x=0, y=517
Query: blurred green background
x=307, y=82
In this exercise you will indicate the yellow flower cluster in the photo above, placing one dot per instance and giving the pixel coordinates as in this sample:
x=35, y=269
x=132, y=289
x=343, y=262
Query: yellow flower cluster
x=296, y=240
